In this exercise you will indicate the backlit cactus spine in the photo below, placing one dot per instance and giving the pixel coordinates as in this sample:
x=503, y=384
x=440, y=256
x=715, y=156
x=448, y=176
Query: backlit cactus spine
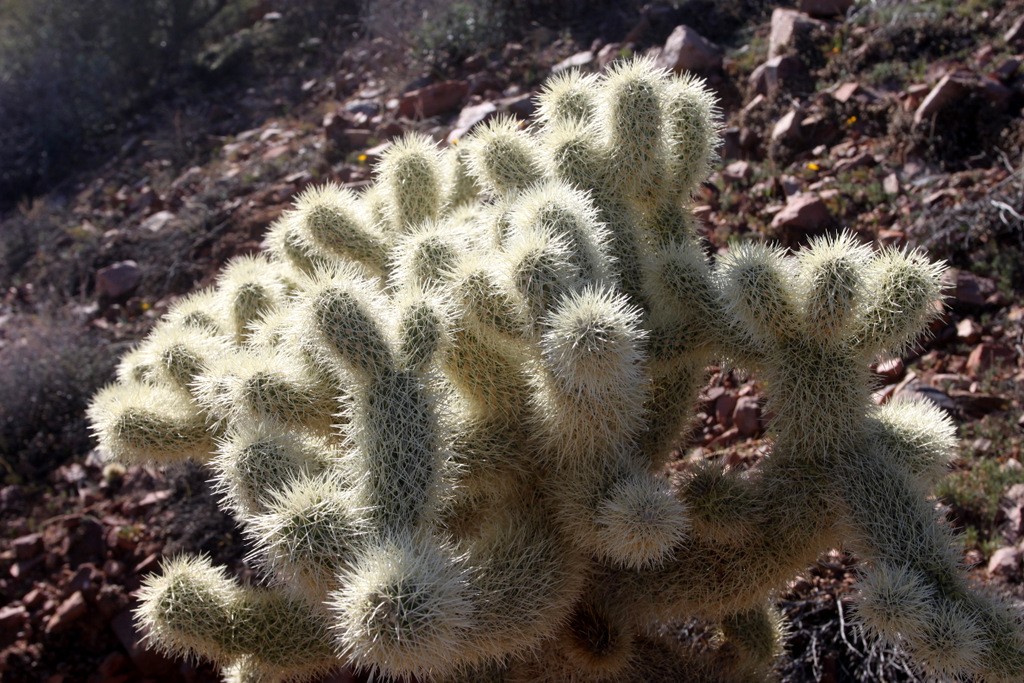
x=442, y=421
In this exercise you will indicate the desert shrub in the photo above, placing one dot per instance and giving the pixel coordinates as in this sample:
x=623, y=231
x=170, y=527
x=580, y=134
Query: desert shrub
x=48, y=370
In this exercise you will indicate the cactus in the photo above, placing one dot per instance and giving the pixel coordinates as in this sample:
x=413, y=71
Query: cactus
x=442, y=420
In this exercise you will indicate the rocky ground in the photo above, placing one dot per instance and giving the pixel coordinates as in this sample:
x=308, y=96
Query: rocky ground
x=899, y=121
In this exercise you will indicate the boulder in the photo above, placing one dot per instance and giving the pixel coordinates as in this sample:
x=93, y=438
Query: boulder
x=803, y=216
x=777, y=72
x=433, y=99
x=787, y=25
x=118, y=280
x=687, y=50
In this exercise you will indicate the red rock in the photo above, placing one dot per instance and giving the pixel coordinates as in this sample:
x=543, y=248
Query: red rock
x=469, y=118
x=950, y=89
x=580, y=59
x=747, y=416
x=1011, y=513
x=777, y=73
x=433, y=99
x=844, y=92
x=968, y=331
x=148, y=661
x=1005, y=563
x=69, y=611
x=786, y=25
x=725, y=406
x=12, y=619
x=27, y=547
x=687, y=50
x=788, y=127
x=118, y=280
x=987, y=354
x=970, y=289
x=892, y=370
x=737, y=171
x=803, y=215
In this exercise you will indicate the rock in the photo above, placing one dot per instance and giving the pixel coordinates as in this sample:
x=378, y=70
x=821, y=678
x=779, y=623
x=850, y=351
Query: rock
x=118, y=280
x=862, y=160
x=950, y=89
x=608, y=54
x=787, y=128
x=521, y=106
x=12, y=619
x=725, y=406
x=987, y=354
x=432, y=100
x=1005, y=563
x=747, y=416
x=1011, y=513
x=916, y=390
x=975, y=404
x=158, y=221
x=778, y=72
x=368, y=108
x=824, y=8
x=891, y=184
x=27, y=547
x=149, y=661
x=578, y=60
x=687, y=50
x=970, y=289
x=968, y=331
x=469, y=118
x=891, y=370
x=844, y=92
x=737, y=171
x=69, y=611
x=1016, y=31
x=804, y=215
x=787, y=25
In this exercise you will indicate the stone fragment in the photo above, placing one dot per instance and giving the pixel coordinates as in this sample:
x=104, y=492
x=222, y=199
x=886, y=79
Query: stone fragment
x=968, y=331
x=118, y=280
x=149, y=661
x=12, y=619
x=824, y=8
x=576, y=61
x=777, y=72
x=469, y=118
x=950, y=89
x=1016, y=32
x=891, y=370
x=787, y=25
x=987, y=354
x=804, y=215
x=891, y=184
x=725, y=406
x=787, y=128
x=1005, y=563
x=747, y=416
x=970, y=289
x=1011, y=513
x=608, y=54
x=69, y=611
x=432, y=100
x=916, y=390
x=737, y=171
x=687, y=50
x=844, y=92
x=27, y=547
x=158, y=221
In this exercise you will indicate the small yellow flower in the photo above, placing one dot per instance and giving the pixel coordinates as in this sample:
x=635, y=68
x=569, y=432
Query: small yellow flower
x=852, y=120
x=362, y=157
x=813, y=166
x=146, y=306
x=455, y=141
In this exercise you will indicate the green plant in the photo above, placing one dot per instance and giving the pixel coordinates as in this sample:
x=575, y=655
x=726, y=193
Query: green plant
x=442, y=422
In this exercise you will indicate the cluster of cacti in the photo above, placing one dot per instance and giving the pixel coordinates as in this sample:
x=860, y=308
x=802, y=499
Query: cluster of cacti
x=441, y=411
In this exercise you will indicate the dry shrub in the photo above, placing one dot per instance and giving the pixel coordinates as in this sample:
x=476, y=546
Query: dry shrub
x=48, y=370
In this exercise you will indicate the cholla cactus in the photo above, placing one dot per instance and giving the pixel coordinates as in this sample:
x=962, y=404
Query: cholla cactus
x=442, y=421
